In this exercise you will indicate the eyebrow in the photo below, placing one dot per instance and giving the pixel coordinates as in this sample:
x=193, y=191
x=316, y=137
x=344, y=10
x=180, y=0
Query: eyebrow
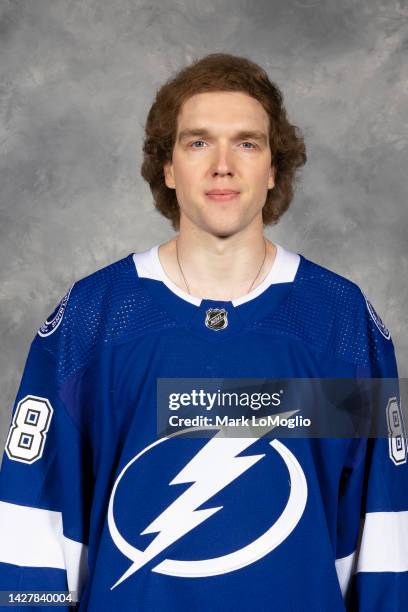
x=240, y=135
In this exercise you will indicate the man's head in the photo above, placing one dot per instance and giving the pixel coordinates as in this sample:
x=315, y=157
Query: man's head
x=220, y=124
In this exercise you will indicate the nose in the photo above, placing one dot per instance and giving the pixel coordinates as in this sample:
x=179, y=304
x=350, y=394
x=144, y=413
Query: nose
x=222, y=164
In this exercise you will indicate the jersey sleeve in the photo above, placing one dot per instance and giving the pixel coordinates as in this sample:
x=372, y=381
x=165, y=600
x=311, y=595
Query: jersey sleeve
x=45, y=485
x=372, y=534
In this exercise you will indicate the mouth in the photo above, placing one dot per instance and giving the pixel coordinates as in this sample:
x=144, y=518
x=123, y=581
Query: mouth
x=222, y=195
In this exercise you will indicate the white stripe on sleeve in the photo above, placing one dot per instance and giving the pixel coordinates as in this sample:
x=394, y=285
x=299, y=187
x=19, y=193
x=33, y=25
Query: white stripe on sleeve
x=345, y=569
x=384, y=543
x=31, y=537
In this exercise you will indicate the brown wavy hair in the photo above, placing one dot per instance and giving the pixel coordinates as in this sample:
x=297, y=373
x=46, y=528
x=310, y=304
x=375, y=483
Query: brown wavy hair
x=221, y=72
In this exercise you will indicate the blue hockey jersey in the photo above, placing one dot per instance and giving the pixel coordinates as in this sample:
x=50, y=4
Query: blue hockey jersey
x=93, y=500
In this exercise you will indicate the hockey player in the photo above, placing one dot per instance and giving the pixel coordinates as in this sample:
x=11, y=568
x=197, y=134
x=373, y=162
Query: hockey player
x=94, y=500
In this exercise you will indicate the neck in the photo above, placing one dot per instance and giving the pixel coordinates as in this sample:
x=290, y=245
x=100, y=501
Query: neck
x=217, y=268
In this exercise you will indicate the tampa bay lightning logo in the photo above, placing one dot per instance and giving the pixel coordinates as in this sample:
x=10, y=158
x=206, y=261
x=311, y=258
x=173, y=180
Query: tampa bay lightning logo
x=216, y=465
x=50, y=325
x=377, y=320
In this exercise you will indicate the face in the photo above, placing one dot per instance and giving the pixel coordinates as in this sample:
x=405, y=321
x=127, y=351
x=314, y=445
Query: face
x=221, y=164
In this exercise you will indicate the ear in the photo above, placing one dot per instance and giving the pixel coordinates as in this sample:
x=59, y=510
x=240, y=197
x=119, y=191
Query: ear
x=169, y=175
x=271, y=178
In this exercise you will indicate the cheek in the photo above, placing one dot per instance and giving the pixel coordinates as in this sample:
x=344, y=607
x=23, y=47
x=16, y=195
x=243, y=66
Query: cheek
x=256, y=178
x=263, y=171
x=188, y=177
x=255, y=167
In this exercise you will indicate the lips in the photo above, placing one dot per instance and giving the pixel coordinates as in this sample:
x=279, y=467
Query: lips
x=222, y=195
x=221, y=191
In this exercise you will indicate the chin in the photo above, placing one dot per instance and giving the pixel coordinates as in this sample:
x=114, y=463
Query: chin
x=224, y=227
x=223, y=231
x=220, y=225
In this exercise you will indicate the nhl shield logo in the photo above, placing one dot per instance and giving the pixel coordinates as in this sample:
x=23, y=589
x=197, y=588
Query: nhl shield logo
x=216, y=318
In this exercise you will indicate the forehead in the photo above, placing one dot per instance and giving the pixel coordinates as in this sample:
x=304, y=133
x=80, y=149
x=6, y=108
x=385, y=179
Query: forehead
x=223, y=110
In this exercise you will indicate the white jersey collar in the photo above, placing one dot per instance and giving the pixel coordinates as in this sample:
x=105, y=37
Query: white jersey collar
x=148, y=265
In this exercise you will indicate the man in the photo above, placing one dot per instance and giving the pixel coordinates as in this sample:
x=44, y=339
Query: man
x=93, y=500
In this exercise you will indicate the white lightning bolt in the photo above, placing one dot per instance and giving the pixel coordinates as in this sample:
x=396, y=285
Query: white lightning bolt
x=212, y=469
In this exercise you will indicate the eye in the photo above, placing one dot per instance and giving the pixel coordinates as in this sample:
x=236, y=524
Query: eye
x=252, y=145
x=195, y=142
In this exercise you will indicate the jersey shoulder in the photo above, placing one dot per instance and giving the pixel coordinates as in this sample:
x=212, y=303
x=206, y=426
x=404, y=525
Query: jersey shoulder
x=332, y=313
x=103, y=307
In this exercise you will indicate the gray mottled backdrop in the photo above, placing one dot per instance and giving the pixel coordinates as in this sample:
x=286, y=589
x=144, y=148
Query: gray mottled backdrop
x=77, y=79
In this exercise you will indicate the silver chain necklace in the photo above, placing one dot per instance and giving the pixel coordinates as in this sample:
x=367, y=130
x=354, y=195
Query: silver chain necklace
x=185, y=280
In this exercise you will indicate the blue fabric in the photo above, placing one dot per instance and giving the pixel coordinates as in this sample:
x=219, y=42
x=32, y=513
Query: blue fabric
x=99, y=369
